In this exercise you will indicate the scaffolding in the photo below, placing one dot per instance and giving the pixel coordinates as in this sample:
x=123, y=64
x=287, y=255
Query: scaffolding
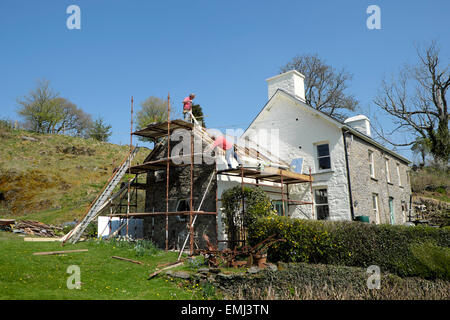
x=280, y=178
x=164, y=130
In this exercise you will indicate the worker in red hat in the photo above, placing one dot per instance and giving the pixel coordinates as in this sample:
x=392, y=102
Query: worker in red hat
x=187, y=107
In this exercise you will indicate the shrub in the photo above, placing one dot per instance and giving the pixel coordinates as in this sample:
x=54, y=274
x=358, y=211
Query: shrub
x=256, y=204
x=433, y=260
x=397, y=249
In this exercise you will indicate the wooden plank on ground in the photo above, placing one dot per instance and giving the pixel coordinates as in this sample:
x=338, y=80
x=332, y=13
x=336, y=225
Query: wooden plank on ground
x=41, y=239
x=166, y=268
x=125, y=259
x=58, y=252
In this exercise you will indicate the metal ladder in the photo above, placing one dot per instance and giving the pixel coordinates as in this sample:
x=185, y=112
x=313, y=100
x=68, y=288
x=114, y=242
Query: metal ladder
x=101, y=200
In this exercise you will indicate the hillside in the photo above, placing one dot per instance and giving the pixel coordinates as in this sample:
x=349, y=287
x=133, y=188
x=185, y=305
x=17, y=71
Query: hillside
x=53, y=178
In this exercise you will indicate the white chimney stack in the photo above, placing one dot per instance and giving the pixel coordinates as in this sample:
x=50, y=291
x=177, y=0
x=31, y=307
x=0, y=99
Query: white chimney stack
x=360, y=123
x=292, y=82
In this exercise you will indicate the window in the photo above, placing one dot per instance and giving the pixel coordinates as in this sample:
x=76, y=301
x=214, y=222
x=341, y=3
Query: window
x=391, y=210
x=183, y=205
x=159, y=175
x=277, y=205
x=398, y=175
x=375, y=206
x=388, y=174
x=323, y=156
x=321, y=199
x=371, y=164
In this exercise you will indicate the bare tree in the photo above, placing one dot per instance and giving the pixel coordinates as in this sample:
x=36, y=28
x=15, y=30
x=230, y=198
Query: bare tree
x=416, y=103
x=324, y=86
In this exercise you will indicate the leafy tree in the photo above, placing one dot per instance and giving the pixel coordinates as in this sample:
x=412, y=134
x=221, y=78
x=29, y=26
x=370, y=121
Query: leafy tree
x=416, y=101
x=421, y=146
x=38, y=107
x=153, y=110
x=198, y=114
x=72, y=119
x=45, y=112
x=99, y=130
x=324, y=86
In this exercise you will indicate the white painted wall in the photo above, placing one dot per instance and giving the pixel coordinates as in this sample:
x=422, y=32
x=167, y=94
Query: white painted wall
x=300, y=128
x=107, y=226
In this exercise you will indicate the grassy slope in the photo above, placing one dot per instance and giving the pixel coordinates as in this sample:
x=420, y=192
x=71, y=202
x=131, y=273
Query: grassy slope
x=41, y=181
x=432, y=183
x=25, y=276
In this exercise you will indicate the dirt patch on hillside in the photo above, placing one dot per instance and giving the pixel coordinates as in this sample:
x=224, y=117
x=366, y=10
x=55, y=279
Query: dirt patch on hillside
x=21, y=192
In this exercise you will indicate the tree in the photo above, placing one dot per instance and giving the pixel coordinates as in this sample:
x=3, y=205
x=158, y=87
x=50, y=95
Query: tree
x=198, y=114
x=153, y=110
x=72, y=120
x=46, y=112
x=38, y=108
x=416, y=101
x=324, y=86
x=99, y=130
x=422, y=147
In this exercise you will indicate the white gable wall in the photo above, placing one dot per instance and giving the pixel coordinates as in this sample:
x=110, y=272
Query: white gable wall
x=300, y=129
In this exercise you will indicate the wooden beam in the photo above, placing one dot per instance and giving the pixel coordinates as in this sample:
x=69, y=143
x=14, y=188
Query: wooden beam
x=125, y=259
x=58, y=252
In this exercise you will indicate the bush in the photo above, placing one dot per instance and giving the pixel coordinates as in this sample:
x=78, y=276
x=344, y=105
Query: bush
x=397, y=249
x=433, y=260
x=256, y=204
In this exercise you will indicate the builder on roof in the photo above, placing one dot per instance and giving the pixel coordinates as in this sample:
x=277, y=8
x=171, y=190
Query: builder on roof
x=228, y=147
x=187, y=107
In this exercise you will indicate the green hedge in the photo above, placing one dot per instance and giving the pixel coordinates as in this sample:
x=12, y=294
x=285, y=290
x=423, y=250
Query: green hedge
x=406, y=251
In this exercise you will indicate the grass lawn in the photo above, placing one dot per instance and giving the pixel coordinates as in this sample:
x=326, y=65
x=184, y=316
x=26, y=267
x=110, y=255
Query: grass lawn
x=25, y=276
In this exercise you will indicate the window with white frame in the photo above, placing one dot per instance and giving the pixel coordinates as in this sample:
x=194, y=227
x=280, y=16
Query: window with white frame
x=388, y=173
x=321, y=200
x=375, y=207
x=323, y=156
x=371, y=164
x=398, y=175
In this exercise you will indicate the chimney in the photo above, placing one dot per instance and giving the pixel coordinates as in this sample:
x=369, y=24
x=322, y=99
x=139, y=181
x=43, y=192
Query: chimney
x=360, y=123
x=292, y=82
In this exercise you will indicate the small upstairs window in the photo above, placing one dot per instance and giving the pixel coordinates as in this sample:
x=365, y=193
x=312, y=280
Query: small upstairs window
x=371, y=165
x=323, y=156
x=398, y=175
x=388, y=173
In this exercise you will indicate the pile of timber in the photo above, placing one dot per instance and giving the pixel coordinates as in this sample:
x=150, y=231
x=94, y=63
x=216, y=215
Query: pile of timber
x=36, y=228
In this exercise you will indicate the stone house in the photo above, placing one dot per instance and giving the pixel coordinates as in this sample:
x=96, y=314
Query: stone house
x=311, y=166
x=354, y=175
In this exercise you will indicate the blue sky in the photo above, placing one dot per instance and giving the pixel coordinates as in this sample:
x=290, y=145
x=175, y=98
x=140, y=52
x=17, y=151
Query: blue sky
x=221, y=50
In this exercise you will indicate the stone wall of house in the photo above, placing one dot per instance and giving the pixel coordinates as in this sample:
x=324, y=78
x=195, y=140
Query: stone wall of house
x=179, y=190
x=364, y=186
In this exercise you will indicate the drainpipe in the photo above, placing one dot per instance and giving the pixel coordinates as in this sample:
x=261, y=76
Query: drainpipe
x=348, y=176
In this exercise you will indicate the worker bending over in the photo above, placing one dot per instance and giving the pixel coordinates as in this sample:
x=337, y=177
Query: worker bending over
x=228, y=147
